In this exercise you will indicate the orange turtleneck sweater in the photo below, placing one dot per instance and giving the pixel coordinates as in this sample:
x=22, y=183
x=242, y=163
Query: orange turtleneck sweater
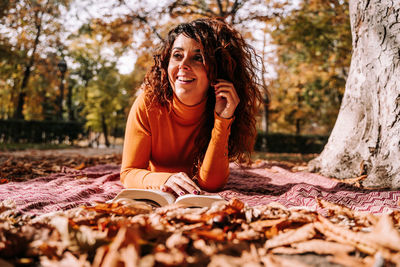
x=159, y=143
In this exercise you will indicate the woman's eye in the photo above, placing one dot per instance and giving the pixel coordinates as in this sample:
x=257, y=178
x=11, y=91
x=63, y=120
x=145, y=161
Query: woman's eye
x=177, y=56
x=198, y=58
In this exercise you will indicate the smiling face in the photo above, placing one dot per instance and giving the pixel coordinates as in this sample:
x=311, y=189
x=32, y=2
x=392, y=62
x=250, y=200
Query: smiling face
x=187, y=72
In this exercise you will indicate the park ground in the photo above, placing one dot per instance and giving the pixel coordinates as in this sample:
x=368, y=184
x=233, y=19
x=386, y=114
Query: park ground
x=18, y=164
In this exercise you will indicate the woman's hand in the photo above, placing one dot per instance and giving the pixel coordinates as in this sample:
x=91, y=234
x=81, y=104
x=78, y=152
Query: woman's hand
x=180, y=184
x=226, y=98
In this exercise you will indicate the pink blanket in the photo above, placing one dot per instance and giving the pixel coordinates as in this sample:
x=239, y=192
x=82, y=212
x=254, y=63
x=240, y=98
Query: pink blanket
x=255, y=186
x=60, y=191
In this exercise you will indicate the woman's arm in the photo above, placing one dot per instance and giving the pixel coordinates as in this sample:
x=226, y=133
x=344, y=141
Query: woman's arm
x=214, y=171
x=137, y=149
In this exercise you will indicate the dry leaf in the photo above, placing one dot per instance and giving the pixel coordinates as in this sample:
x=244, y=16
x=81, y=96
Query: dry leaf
x=303, y=233
x=316, y=246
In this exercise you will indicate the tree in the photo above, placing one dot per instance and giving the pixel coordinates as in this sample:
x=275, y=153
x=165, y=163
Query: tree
x=107, y=99
x=314, y=51
x=29, y=30
x=366, y=136
x=102, y=94
x=138, y=19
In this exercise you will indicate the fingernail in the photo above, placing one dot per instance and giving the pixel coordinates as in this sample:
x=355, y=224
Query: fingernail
x=181, y=193
x=195, y=192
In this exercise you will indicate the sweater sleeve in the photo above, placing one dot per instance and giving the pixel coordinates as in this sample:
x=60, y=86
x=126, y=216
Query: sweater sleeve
x=137, y=149
x=214, y=170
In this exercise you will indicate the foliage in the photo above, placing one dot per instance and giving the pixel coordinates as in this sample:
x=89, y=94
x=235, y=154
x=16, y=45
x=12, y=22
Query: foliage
x=106, y=100
x=29, y=42
x=314, y=51
x=148, y=23
x=101, y=93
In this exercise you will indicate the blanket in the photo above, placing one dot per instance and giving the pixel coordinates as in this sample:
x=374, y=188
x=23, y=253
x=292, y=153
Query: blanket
x=254, y=186
x=67, y=189
x=263, y=185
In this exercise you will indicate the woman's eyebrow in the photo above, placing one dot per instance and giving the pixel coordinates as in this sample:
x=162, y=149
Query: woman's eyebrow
x=198, y=50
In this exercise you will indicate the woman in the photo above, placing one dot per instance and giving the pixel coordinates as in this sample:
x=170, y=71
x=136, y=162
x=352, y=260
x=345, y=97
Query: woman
x=196, y=114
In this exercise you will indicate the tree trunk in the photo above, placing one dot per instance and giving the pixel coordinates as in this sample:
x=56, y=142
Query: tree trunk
x=69, y=103
x=266, y=113
x=366, y=136
x=61, y=98
x=18, y=114
x=105, y=130
x=267, y=97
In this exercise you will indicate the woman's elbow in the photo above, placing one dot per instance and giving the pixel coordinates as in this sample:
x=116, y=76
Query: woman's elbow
x=122, y=176
x=213, y=184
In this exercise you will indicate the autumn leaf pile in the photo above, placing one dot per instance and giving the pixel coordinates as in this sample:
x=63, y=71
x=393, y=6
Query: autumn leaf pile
x=232, y=234
x=22, y=168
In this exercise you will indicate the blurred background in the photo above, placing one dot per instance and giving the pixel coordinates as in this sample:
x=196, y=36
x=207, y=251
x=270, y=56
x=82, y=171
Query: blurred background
x=70, y=69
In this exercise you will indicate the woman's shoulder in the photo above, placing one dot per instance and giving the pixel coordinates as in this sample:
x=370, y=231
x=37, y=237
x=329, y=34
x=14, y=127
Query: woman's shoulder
x=142, y=100
x=145, y=103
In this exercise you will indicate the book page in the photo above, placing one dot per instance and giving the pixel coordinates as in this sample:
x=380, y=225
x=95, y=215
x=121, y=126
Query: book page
x=192, y=200
x=147, y=195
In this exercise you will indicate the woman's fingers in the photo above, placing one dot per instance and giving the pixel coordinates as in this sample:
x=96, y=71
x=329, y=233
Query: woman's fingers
x=231, y=98
x=227, y=98
x=187, y=181
x=181, y=184
x=184, y=182
x=227, y=87
x=176, y=189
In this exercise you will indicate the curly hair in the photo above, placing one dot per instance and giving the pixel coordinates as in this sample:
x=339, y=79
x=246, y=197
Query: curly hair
x=228, y=57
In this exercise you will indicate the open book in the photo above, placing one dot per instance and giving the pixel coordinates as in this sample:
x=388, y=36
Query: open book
x=159, y=198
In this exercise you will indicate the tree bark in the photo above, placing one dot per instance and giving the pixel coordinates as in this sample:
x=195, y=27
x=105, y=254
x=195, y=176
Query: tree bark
x=18, y=114
x=267, y=97
x=366, y=136
x=61, y=97
x=105, y=130
x=69, y=103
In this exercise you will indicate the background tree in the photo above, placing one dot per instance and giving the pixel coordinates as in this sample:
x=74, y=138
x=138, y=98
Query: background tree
x=101, y=93
x=148, y=24
x=312, y=41
x=32, y=28
x=366, y=139
x=105, y=105
x=313, y=45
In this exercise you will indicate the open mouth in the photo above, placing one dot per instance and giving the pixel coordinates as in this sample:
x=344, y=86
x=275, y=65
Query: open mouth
x=184, y=80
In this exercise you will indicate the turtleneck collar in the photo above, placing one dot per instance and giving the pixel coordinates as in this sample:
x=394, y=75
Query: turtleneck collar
x=185, y=114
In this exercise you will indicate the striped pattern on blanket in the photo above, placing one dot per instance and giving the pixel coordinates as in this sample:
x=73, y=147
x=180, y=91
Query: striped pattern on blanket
x=254, y=186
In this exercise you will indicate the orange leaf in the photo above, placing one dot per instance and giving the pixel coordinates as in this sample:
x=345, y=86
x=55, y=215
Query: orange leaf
x=81, y=166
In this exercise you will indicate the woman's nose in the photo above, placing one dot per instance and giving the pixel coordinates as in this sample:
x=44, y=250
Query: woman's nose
x=184, y=64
